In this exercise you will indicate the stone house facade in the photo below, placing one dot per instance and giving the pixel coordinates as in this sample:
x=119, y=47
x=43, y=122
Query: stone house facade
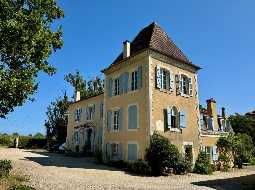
x=150, y=87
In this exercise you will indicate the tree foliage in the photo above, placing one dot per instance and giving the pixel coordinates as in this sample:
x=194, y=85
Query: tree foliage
x=243, y=124
x=56, y=123
x=26, y=42
x=87, y=88
x=162, y=155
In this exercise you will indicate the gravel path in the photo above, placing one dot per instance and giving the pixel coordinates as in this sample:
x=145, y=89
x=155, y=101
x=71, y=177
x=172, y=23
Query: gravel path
x=48, y=171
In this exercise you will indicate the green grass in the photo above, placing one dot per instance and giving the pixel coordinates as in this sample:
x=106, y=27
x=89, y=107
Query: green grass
x=14, y=182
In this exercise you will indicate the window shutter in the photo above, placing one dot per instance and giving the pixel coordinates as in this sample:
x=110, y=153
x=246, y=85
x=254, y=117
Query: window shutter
x=75, y=115
x=158, y=77
x=179, y=84
x=109, y=120
x=190, y=86
x=110, y=87
x=139, y=77
x=214, y=153
x=132, y=117
x=94, y=110
x=125, y=86
x=182, y=119
x=121, y=80
x=132, y=152
x=101, y=109
x=120, y=156
x=210, y=123
x=169, y=118
x=171, y=81
x=120, y=119
x=109, y=150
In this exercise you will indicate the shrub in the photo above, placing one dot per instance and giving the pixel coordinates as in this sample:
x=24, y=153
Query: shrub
x=99, y=155
x=139, y=167
x=6, y=140
x=225, y=160
x=182, y=167
x=202, y=165
x=161, y=155
x=5, y=168
x=252, y=161
x=20, y=187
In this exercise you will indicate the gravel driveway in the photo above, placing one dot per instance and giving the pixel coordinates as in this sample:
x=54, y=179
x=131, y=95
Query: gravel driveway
x=48, y=171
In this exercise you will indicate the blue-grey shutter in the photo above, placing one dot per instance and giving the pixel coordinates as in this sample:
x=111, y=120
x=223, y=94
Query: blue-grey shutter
x=110, y=87
x=139, y=77
x=121, y=82
x=132, y=117
x=120, y=119
x=158, y=77
x=210, y=123
x=132, y=152
x=120, y=156
x=169, y=118
x=125, y=82
x=109, y=150
x=214, y=153
x=94, y=111
x=182, y=118
x=179, y=84
x=171, y=81
x=190, y=87
x=109, y=120
x=101, y=109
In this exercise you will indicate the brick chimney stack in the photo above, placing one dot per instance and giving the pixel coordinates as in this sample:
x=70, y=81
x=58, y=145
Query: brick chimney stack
x=212, y=112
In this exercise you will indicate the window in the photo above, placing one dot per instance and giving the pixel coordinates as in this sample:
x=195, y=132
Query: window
x=185, y=85
x=115, y=120
x=116, y=87
x=132, y=117
x=90, y=110
x=77, y=114
x=132, y=152
x=165, y=79
x=134, y=80
x=174, y=117
x=76, y=137
x=114, y=150
x=101, y=109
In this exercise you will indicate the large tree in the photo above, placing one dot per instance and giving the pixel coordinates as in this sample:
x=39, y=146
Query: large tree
x=243, y=124
x=26, y=42
x=87, y=88
x=56, y=123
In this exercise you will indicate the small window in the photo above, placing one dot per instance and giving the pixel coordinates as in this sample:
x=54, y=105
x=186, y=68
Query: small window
x=174, y=114
x=116, y=87
x=134, y=80
x=114, y=150
x=115, y=120
x=185, y=85
x=132, y=152
x=77, y=115
x=90, y=111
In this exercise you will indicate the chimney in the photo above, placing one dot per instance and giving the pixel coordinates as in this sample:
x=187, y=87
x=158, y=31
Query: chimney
x=126, y=49
x=212, y=112
x=223, y=112
x=77, y=96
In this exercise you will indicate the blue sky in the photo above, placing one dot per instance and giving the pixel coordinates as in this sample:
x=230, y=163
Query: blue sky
x=216, y=35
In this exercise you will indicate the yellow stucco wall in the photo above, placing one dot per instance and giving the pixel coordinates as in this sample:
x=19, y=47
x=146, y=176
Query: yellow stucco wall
x=163, y=99
x=97, y=120
x=138, y=97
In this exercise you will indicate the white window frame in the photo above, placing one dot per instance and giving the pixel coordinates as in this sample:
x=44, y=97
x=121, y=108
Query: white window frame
x=117, y=120
x=116, y=86
x=182, y=75
x=137, y=145
x=137, y=106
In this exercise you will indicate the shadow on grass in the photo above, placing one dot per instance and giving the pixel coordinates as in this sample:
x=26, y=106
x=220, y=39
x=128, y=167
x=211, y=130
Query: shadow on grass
x=60, y=160
x=237, y=183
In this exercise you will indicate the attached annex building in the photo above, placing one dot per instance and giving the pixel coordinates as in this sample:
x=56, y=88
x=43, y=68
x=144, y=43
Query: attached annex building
x=151, y=86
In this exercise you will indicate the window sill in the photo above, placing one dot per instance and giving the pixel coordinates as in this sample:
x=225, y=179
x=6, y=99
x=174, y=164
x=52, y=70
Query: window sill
x=175, y=130
x=132, y=129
